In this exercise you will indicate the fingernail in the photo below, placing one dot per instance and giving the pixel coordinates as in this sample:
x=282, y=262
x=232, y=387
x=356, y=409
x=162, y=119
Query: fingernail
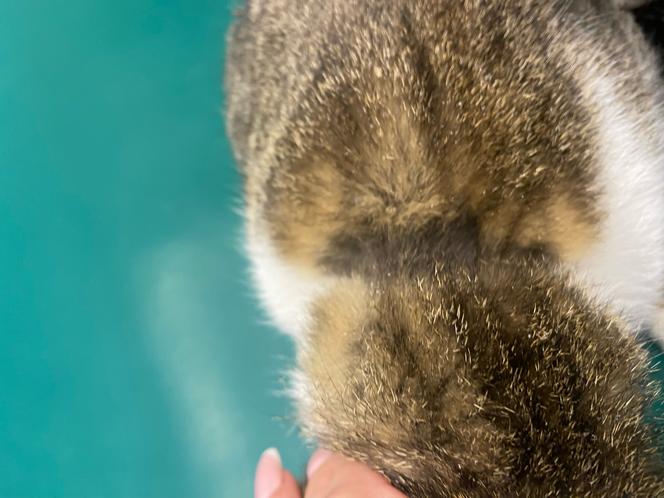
x=269, y=474
x=316, y=460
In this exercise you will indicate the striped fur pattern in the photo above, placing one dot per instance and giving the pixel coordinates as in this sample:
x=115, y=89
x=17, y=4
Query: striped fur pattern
x=456, y=209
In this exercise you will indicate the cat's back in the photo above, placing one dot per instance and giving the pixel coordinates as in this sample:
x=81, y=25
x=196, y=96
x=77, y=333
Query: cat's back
x=529, y=124
x=416, y=171
x=470, y=99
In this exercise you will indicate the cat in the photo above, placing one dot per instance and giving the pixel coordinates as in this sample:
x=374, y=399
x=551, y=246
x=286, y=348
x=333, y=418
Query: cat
x=456, y=209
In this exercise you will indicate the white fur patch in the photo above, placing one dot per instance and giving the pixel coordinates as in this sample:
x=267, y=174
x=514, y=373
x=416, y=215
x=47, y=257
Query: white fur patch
x=287, y=292
x=627, y=264
x=300, y=391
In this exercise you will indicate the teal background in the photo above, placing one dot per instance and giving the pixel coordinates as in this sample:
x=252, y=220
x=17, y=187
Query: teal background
x=133, y=361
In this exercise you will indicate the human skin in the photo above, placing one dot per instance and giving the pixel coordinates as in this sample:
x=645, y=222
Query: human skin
x=329, y=476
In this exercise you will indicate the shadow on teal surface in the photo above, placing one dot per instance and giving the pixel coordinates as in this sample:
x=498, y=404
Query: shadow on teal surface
x=132, y=359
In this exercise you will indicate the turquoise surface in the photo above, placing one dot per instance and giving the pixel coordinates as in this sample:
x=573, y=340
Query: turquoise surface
x=133, y=361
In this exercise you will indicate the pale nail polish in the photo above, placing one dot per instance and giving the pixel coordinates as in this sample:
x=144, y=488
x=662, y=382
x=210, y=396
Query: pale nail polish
x=269, y=474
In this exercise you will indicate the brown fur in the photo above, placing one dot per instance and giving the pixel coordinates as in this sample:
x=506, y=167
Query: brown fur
x=453, y=384
x=437, y=159
x=416, y=118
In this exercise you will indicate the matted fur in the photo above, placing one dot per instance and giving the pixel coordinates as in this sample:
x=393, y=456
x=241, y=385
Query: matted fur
x=457, y=209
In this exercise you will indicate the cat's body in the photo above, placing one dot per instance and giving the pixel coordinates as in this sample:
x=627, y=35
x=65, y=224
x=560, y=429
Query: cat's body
x=457, y=210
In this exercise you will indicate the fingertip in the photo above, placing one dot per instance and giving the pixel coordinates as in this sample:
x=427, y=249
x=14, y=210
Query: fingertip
x=269, y=474
x=319, y=457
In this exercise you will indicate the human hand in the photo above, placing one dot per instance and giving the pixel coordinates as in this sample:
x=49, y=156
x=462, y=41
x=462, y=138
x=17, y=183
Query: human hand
x=329, y=476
